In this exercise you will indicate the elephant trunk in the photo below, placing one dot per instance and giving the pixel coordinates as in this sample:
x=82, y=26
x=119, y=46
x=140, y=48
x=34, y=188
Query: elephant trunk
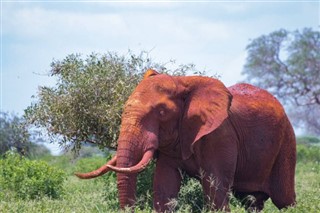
x=127, y=184
x=135, y=150
x=127, y=156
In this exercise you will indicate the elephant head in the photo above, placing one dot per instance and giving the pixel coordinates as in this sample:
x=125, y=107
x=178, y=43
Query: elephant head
x=168, y=114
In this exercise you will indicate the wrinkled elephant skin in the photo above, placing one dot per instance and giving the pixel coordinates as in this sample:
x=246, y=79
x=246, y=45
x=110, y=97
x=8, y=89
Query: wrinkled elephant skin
x=235, y=139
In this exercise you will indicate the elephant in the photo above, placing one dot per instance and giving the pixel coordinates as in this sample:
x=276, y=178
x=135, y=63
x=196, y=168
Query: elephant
x=234, y=140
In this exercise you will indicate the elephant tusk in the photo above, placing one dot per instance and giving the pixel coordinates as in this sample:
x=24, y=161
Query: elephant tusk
x=147, y=157
x=98, y=172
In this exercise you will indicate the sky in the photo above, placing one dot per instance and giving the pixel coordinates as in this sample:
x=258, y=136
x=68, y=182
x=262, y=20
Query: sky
x=211, y=34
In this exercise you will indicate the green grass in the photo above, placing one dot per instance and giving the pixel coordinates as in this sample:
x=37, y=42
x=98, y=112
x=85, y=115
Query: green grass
x=80, y=196
x=99, y=196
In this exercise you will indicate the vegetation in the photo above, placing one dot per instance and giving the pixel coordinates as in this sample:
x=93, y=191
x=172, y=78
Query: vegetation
x=308, y=140
x=100, y=194
x=12, y=134
x=26, y=179
x=85, y=106
x=86, y=103
x=308, y=149
x=15, y=135
x=288, y=65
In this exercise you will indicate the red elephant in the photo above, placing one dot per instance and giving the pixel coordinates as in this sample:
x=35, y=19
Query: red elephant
x=237, y=139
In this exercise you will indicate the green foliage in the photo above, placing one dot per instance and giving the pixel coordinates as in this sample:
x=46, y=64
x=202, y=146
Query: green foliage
x=101, y=195
x=63, y=162
x=306, y=153
x=13, y=134
x=37, y=151
x=110, y=193
x=190, y=198
x=28, y=179
x=308, y=140
x=88, y=164
x=109, y=180
x=144, y=187
x=86, y=103
x=89, y=151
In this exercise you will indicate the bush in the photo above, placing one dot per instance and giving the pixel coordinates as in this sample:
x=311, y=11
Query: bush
x=28, y=179
x=110, y=193
x=307, y=153
x=190, y=197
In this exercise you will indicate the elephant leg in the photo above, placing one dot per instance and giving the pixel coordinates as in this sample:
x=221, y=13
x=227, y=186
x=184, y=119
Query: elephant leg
x=216, y=192
x=166, y=185
x=254, y=201
x=282, y=190
x=217, y=160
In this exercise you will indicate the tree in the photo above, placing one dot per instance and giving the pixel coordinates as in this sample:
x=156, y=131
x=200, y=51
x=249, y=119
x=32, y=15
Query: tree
x=86, y=103
x=288, y=65
x=14, y=134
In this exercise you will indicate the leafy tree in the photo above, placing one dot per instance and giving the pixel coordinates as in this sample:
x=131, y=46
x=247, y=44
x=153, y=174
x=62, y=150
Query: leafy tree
x=86, y=103
x=14, y=134
x=288, y=64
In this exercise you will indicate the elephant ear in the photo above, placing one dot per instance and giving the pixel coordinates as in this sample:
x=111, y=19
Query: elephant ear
x=207, y=103
x=149, y=73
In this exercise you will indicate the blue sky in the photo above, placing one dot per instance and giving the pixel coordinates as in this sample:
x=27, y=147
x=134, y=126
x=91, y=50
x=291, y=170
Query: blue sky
x=212, y=35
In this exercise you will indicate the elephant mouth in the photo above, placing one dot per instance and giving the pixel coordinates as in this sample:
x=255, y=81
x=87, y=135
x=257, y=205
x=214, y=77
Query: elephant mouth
x=111, y=166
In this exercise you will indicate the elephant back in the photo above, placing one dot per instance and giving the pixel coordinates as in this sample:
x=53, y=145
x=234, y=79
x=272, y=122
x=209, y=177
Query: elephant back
x=252, y=100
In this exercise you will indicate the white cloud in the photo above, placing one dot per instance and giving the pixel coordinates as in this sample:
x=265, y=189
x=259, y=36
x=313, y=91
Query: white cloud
x=38, y=22
x=212, y=35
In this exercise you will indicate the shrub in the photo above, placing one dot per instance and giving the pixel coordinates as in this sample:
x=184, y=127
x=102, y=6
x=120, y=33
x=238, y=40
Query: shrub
x=29, y=179
x=190, y=197
x=307, y=153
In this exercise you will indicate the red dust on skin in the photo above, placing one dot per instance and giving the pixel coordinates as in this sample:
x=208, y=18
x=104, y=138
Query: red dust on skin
x=240, y=136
